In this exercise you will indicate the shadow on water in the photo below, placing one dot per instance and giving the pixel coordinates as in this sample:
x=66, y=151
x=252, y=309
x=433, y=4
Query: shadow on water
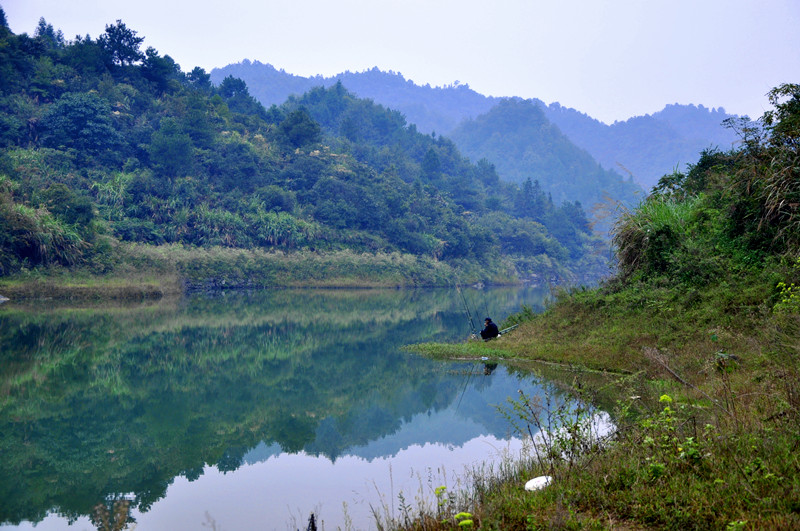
x=103, y=408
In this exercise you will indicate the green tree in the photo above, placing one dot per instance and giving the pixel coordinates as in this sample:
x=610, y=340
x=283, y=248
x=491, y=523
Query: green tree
x=784, y=120
x=159, y=70
x=170, y=149
x=235, y=93
x=487, y=173
x=298, y=129
x=86, y=56
x=199, y=120
x=431, y=165
x=47, y=37
x=81, y=121
x=200, y=79
x=121, y=44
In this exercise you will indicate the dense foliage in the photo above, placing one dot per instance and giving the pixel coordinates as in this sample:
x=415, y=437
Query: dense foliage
x=732, y=210
x=645, y=147
x=103, y=143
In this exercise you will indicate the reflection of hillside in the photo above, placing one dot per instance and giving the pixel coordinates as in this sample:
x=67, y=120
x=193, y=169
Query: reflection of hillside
x=470, y=413
x=102, y=402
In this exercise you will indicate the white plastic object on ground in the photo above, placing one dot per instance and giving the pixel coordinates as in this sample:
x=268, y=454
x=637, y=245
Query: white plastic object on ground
x=538, y=483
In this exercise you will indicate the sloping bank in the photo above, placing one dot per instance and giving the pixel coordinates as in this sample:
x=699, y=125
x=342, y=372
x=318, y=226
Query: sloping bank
x=706, y=397
x=144, y=271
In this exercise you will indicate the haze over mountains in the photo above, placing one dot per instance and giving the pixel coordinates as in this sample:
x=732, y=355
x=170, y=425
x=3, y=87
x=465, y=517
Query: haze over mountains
x=644, y=147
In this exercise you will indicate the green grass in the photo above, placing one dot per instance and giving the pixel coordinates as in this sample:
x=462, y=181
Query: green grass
x=705, y=396
x=147, y=271
x=58, y=283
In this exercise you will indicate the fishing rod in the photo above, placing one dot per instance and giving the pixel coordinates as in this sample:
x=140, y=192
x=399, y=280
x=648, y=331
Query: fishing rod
x=509, y=329
x=466, y=307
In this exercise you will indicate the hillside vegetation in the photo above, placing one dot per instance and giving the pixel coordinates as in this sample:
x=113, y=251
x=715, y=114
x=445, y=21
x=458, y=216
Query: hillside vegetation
x=517, y=136
x=644, y=147
x=698, y=336
x=110, y=152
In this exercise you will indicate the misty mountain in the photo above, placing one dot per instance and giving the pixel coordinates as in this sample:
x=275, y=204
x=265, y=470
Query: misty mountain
x=516, y=136
x=431, y=109
x=645, y=147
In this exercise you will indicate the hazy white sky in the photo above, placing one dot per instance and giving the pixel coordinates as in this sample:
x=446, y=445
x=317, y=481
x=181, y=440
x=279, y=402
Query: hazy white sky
x=611, y=59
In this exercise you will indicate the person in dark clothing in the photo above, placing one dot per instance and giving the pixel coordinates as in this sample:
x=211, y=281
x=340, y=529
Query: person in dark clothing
x=490, y=330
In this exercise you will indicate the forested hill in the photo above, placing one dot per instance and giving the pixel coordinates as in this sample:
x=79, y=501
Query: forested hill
x=523, y=144
x=431, y=109
x=106, y=145
x=645, y=147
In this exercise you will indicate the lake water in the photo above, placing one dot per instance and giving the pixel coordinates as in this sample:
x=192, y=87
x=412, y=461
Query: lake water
x=245, y=410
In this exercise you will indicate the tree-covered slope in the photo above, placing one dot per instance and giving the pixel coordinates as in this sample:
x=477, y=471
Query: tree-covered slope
x=645, y=147
x=523, y=144
x=104, y=143
x=430, y=109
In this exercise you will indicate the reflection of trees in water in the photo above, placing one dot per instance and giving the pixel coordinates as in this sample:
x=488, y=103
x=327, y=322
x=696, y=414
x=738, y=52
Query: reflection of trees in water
x=114, y=515
x=125, y=400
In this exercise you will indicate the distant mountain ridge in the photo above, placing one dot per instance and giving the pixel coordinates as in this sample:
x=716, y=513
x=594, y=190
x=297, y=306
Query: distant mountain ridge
x=644, y=147
x=431, y=109
x=516, y=136
x=647, y=147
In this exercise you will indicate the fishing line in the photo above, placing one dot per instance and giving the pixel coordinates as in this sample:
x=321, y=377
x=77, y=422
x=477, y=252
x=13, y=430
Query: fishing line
x=466, y=307
x=469, y=377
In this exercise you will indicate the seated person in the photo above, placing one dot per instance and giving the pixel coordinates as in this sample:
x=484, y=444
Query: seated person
x=490, y=330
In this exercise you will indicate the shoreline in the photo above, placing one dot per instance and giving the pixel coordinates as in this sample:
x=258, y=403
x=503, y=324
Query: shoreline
x=140, y=272
x=115, y=288
x=702, y=395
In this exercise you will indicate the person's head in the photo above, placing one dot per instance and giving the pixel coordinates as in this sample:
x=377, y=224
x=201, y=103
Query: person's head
x=487, y=320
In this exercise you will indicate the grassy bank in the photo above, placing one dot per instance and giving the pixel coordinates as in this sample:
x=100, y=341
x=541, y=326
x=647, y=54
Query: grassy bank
x=701, y=329
x=707, y=408
x=57, y=283
x=147, y=271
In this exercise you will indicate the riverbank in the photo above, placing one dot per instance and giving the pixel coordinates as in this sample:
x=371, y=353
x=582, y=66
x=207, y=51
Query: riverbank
x=147, y=271
x=707, y=410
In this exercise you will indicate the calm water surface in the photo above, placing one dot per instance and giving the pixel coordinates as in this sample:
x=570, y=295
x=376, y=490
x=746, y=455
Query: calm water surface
x=245, y=410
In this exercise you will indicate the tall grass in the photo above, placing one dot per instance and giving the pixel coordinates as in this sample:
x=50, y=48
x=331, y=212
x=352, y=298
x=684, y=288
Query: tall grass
x=220, y=267
x=35, y=236
x=642, y=235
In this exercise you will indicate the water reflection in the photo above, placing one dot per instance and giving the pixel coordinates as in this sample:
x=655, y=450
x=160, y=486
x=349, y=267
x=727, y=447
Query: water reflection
x=104, y=411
